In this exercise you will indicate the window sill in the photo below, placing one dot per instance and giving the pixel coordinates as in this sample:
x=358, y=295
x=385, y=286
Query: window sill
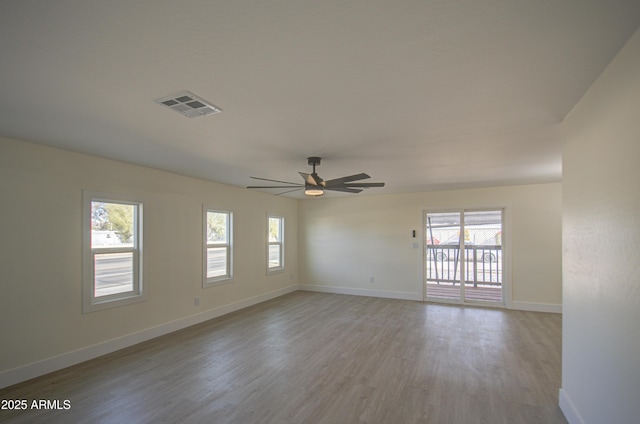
x=275, y=271
x=98, y=305
x=217, y=282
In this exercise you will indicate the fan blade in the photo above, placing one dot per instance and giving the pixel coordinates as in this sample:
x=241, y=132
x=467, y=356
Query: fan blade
x=297, y=187
x=311, y=179
x=307, y=178
x=288, y=191
x=364, y=185
x=274, y=181
x=344, y=189
x=338, y=181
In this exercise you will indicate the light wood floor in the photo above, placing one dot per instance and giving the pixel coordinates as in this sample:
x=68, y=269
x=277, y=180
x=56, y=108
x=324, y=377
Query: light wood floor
x=321, y=358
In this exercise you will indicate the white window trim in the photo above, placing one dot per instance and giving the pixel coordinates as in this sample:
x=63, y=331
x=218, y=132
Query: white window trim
x=278, y=269
x=222, y=279
x=90, y=303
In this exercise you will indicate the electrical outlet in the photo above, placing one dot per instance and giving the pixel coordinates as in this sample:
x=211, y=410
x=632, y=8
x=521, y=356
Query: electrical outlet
x=371, y=279
x=196, y=301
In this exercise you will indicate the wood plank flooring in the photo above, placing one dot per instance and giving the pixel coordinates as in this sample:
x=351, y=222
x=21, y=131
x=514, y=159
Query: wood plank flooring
x=321, y=358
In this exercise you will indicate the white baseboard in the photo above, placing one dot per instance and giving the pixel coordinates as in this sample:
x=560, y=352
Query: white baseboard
x=537, y=307
x=361, y=292
x=522, y=306
x=45, y=366
x=568, y=409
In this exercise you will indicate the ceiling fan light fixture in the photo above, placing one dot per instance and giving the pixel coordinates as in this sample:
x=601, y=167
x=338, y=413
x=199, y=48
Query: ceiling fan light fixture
x=314, y=186
x=313, y=191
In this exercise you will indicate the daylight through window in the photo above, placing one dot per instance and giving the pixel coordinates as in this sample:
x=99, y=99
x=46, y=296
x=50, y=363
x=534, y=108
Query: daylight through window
x=217, y=246
x=113, y=264
x=276, y=243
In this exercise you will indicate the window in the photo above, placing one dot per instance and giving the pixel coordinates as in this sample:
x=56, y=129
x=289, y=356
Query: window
x=112, y=260
x=217, y=246
x=275, y=235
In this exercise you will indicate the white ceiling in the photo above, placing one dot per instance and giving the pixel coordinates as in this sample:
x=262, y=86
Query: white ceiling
x=424, y=95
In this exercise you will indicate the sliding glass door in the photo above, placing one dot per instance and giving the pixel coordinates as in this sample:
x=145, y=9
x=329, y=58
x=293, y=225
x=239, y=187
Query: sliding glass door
x=463, y=256
x=443, y=255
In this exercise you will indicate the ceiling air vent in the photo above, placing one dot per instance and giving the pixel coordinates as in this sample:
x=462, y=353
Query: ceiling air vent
x=188, y=104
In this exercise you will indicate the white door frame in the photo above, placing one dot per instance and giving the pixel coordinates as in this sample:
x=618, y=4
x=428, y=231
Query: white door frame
x=506, y=256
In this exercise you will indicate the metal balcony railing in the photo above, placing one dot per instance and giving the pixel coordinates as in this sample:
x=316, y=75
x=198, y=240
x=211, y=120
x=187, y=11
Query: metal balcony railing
x=483, y=264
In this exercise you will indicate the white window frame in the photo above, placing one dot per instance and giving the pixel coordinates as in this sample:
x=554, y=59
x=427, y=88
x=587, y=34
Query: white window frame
x=227, y=244
x=91, y=303
x=280, y=243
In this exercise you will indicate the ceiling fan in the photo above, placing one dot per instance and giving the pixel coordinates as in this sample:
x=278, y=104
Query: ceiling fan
x=315, y=186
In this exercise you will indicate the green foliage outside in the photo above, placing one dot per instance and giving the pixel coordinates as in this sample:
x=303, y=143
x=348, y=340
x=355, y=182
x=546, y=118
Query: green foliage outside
x=217, y=227
x=274, y=229
x=116, y=217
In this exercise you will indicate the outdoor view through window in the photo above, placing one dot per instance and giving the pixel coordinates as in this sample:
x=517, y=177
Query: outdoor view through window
x=218, y=246
x=275, y=230
x=113, y=247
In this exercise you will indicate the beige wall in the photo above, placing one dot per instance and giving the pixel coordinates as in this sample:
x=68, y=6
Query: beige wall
x=601, y=242
x=345, y=241
x=40, y=254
